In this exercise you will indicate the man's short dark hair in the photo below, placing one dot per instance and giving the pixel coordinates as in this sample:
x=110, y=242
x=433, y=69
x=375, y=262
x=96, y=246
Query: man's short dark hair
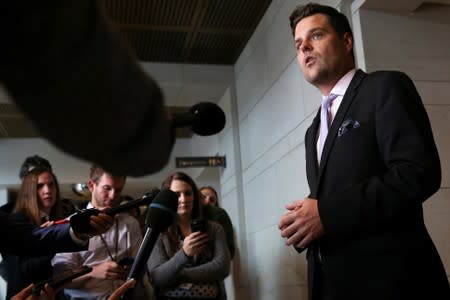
x=337, y=20
x=97, y=172
x=33, y=162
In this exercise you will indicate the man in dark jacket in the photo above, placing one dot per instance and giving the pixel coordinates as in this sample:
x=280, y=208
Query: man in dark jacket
x=363, y=220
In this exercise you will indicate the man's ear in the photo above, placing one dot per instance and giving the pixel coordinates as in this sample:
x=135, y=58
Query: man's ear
x=90, y=185
x=348, y=41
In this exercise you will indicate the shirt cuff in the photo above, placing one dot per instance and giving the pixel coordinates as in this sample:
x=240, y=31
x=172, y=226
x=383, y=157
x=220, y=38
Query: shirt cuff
x=82, y=240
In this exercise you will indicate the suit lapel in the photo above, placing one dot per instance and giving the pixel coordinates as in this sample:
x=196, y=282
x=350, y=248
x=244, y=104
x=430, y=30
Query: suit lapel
x=312, y=167
x=340, y=115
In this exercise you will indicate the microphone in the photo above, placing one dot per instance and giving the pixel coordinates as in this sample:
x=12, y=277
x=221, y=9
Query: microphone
x=80, y=221
x=204, y=118
x=160, y=215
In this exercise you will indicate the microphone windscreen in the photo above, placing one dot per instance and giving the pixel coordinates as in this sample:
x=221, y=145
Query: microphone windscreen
x=80, y=221
x=162, y=210
x=145, y=200
x=210, y=118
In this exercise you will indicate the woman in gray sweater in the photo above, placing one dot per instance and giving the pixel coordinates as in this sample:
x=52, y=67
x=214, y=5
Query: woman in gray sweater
x=186, y=263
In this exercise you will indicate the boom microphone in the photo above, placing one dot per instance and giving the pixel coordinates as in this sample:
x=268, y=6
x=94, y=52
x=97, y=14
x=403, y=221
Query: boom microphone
x=160, y=215
x=204, y=118
x=80, y=221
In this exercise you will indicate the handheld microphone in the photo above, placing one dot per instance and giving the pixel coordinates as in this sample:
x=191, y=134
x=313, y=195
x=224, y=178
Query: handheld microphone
x=80, y=221
x=204, y=118
x=160, y=215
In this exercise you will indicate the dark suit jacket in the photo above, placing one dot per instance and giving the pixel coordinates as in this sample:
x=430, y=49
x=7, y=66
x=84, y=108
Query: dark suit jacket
x=23, y=270
x=20, y=238
x=379, y=164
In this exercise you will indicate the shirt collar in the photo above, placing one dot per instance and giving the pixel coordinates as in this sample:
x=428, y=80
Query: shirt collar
x=343, y=83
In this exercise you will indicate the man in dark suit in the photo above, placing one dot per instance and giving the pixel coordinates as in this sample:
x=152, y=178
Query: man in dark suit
x=363, y=220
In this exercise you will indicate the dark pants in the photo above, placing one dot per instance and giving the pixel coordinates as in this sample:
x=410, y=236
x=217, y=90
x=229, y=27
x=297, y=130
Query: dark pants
x=316, y=284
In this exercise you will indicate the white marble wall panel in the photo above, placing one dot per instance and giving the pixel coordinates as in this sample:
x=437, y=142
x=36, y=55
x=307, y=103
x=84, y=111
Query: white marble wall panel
x=278, y=112
x=358, y=44
x=285, y=151
x=225, y=104
x=280, y=42
x=433, y=92
x=275, y=265
x=233, y=208
x=311, y=95
x=414, y=46
x=291, y=181
x=251, y=82
x=267, y=193
x=226, y=137
x=228, y=185
x=262, y=209
x=204, y=145
x=226, y=146
x=297, y=136
x=259, y=34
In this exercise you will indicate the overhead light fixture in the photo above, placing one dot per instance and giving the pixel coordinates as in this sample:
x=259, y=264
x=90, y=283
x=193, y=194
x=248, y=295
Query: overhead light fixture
x=81, y=189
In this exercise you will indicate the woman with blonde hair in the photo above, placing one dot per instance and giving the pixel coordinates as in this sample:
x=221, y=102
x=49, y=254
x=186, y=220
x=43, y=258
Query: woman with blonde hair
x=38, y=203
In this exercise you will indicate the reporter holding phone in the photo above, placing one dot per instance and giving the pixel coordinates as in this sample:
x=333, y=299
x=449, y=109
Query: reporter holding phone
x=110, y=254
x=187, y=263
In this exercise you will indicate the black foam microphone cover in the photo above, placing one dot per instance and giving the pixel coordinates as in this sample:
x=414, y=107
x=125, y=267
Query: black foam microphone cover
x=161, y=214
x=162, y=211
x=204, y=118
x=80, y=221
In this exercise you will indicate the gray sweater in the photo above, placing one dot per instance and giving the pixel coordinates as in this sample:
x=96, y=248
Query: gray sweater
x=168, y=272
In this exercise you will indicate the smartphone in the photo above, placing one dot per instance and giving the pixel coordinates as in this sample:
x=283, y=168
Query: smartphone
x=198, y=225
x=60, y=279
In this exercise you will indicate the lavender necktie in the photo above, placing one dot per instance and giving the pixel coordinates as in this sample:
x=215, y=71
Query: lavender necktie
x=325, y=120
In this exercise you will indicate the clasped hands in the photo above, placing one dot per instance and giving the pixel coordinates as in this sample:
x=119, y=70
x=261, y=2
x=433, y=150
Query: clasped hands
x=301, y=224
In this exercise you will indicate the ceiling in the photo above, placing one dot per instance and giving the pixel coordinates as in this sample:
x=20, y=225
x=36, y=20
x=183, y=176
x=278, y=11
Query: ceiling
x=186, y=31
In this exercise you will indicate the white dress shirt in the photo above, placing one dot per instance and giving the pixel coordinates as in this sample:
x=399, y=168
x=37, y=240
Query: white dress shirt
x=339, y=89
